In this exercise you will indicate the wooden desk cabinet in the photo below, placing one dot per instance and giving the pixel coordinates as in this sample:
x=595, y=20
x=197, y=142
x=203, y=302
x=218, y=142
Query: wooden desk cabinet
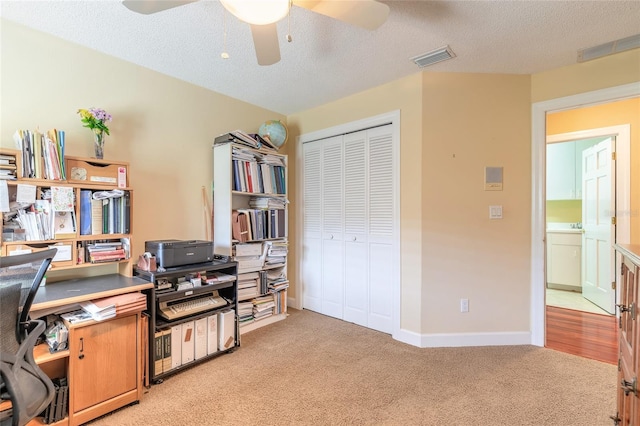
x=104, y=367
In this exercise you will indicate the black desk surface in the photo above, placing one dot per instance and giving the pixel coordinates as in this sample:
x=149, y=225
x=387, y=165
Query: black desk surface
x=82, y=289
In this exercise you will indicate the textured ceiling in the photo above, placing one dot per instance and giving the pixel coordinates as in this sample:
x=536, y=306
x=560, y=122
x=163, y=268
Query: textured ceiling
x=328, y=59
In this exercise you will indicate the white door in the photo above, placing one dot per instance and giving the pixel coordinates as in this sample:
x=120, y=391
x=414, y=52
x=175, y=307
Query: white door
x=332, y=224
x=598, y=185
x=356, y=277
x=381, y=228
x=311, y=255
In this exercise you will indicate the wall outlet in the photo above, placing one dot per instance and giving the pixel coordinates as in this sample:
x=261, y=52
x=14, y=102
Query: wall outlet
x=464, y=305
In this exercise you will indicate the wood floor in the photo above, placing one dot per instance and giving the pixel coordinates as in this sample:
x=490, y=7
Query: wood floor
x=582, y=333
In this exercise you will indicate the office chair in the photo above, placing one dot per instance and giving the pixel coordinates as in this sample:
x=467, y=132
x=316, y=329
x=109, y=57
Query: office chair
x=22, y=382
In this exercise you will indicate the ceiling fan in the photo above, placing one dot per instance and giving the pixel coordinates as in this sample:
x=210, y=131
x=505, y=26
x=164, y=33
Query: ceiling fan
x=262, y=16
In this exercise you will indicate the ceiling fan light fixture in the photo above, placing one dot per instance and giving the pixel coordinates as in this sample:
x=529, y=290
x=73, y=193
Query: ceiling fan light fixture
x=257, y=12
x=433, y=57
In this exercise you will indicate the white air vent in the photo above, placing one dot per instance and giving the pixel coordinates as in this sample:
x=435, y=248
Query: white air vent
x=609, y=48
x=434, y=56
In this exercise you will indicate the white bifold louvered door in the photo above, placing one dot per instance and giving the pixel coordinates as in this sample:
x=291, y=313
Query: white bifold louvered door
x=349, y=227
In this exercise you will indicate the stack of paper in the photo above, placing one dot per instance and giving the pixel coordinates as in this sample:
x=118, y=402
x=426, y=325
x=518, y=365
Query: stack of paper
x=263, y=307
x=99, y=313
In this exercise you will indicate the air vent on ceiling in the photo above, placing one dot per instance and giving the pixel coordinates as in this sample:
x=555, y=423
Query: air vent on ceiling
x=433, y=57
x=610, y=48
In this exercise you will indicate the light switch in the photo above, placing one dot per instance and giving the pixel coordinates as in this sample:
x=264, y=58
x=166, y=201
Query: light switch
x=495, y=212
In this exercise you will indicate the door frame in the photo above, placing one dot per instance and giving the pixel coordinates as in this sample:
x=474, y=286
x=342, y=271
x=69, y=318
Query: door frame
x=393, y=118
x=538, y=202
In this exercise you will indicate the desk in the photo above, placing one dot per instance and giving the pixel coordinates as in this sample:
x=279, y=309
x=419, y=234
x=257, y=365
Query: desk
x=68, y=292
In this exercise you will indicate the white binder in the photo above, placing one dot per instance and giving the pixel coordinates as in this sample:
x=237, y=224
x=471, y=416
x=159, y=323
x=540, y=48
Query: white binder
x=212, y=334
x=188, y=342
x=176, y=355
x=201, y=338
x=226, y=330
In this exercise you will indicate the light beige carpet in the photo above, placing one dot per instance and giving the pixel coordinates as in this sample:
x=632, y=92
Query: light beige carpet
x=314, y=370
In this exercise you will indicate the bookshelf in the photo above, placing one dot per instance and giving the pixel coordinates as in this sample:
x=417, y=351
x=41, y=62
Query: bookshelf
x=86, y=216
x=93, y=261
x=250, y=227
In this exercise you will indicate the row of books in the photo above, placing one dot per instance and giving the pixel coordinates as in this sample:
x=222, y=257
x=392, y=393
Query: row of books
x=100, y=215
x=183, y=343
x=8, y=167
x=249, y=176
x=262, y=307
x=42, y=153
x=258, y=224
x=100, y=252
x=258, y=173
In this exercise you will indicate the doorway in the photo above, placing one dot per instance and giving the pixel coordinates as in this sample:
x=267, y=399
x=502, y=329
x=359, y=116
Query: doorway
x=538, y=227
x=580, y=199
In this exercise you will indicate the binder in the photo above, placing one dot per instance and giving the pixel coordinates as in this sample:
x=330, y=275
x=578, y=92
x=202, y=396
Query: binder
x=166, y=350
x=85, y=212
x=201, y=332
x=158, y=352
x=96, y=217
x=212, y=334
x=188, y=342
x=176, y=355
x=226, y=330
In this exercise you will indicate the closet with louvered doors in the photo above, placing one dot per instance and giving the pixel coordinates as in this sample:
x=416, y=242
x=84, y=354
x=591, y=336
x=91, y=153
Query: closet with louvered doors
x=349, y=226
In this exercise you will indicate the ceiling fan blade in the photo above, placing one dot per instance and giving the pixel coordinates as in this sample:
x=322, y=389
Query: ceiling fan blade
x=147, y=7
x=367, y=14
x=265, y=40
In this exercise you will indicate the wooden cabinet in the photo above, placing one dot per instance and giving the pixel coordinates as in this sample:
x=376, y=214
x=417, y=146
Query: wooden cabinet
x=628, y=394
x=564, y=260
x=104, y=367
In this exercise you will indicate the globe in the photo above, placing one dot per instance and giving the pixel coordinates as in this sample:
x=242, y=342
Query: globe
x=275, y=132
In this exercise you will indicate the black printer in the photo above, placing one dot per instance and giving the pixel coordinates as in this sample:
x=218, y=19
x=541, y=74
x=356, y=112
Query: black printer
x=173, y=253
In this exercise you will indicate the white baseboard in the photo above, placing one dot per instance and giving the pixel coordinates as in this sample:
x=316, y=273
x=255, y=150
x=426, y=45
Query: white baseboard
x=447, y=340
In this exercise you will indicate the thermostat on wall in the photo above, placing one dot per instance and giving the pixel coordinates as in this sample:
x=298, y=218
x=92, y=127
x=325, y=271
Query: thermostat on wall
x=493, y=178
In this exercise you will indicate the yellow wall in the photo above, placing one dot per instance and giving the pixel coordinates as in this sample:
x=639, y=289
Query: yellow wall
x=471, y=121
x=609, y=71
x=162, y=126
x=611, y=114
x=564, y=211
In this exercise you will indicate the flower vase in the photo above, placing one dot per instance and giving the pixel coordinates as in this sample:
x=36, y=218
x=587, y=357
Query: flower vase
x=98, y=139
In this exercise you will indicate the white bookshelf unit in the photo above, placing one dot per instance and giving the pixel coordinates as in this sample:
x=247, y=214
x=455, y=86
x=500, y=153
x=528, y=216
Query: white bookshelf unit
x=250, y=227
